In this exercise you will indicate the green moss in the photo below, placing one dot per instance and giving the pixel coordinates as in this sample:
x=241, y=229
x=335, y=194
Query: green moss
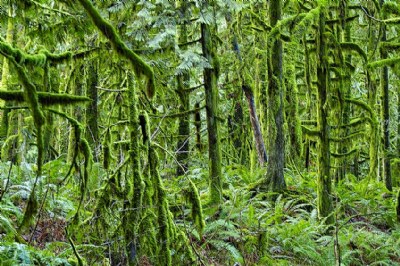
x=107, y=150
x=389, y=8
x=384, y=62
x=192, y=195
x=139, y=65
x=341, y=155
x=163, y=212
x=350, y=46
x=7, y=145
x=389, y=46
x=398, y=206
x=31, y=210
x=364, y=106
x=44, y=98
x=350, y=136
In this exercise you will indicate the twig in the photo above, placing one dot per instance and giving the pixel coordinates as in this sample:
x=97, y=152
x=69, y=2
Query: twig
x=190, y=241
x=371, y=17
x=173, y=156
x=52, y=9
x=39, y=215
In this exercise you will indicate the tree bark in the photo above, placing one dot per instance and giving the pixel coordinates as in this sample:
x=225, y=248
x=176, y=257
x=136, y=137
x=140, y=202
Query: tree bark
x=385, y=113
x=274, y=177
x=211, y=91
x=182, y=147
x=92, y=132
x=324, y=198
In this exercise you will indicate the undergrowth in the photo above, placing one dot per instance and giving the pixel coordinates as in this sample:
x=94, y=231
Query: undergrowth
x=248, y=229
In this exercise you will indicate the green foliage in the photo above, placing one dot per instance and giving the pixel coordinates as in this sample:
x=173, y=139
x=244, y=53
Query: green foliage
x=19, y=254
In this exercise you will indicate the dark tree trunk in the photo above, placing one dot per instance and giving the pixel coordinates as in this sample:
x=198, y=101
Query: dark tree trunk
x=182, y=148
x=92, y=132
x=385, y=113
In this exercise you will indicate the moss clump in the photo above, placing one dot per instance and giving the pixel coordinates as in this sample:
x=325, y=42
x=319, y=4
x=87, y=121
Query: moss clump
x=192, y=195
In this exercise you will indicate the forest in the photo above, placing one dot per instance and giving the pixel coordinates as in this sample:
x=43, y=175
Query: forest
x=200, y=132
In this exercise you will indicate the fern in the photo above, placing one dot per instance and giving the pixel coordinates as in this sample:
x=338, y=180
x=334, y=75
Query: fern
x=223, y=246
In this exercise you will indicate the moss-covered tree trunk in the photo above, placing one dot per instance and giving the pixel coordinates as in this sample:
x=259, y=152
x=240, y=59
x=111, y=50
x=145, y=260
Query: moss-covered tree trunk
x=92, y=129
x=211, y=91
x=324, y=200
x=256, y=127
x=372, y=100
x=276, y=161
x=76, y=111
x=387, y=175
x=182, y=147
x=292, y=115
x=345, y=89
x=5, y=75
x=135, y=185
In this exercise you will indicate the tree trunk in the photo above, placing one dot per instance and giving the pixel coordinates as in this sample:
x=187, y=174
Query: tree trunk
x=92, y=132
x=211, y=91
x=385, y=113
x=4, y=75
x=182, y=147
x=324, y=200
x=274, y=177
x=255, y=124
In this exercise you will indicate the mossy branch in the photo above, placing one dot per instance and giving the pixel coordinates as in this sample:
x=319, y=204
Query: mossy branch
x=384, y=62
x=44, y=98
x=341, y=155
x=364, y=106
x=389, y=46
x=139, y=65
x=311, y=133
x=353, y=135
x=390, y=8
x=42, y=57
x=348, y=19
x=350, y=46
x=182, y=114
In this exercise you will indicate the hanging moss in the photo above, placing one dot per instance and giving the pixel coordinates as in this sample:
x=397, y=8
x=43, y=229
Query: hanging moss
x=7, y=145
x=140, y=67
x=192, y=195
x=163, y=213
x=82, y=147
